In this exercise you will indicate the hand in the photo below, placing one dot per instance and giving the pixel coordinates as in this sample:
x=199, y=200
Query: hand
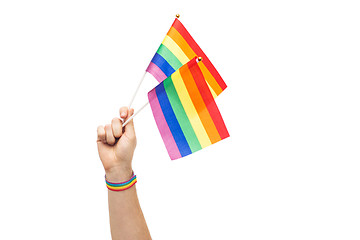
x=116, y=147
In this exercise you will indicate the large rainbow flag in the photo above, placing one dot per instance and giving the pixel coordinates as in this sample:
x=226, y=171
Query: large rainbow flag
x=178, y=48
x=185, y=111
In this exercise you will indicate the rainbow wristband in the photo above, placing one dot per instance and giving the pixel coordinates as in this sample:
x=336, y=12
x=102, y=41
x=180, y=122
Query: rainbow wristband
x=121, y=186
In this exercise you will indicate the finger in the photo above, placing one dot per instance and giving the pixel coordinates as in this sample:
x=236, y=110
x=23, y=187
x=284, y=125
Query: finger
x=123, y=112
x=110, y=139
x=116, y=126
x=129, y=128
x=101, y=134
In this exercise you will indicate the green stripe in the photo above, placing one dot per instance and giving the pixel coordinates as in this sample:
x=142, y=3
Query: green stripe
x=181, y=115
x=169, y=57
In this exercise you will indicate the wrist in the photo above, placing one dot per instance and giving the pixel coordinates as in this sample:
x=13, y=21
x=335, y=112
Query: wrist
x=119, y=174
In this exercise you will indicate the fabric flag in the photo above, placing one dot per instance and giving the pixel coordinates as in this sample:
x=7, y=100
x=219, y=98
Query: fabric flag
x=185, y=112
x=178, y=48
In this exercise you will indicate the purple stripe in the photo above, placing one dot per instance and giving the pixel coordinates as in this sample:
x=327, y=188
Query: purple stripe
x=163, y=127
x=156, y=72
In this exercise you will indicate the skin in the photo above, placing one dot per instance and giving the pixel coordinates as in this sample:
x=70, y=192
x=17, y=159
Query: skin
x=116, y=146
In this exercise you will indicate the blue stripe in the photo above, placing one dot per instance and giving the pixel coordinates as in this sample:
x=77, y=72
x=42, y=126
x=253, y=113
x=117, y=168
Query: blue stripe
x=171, y=120
x=120, y=184
x=165, y=67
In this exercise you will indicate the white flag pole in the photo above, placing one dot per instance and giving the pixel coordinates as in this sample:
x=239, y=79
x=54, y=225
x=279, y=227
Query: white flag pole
x=129, y=119
x=137, y=89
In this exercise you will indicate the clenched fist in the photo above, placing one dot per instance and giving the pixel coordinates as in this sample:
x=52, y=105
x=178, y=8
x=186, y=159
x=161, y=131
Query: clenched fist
x=116, y=146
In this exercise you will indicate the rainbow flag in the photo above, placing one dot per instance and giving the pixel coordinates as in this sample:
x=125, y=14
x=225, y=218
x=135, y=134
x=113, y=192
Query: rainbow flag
x=185, y=112
x=177, y=49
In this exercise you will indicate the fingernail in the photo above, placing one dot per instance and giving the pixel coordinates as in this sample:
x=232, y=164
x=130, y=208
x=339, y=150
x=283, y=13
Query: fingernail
x=122, y=114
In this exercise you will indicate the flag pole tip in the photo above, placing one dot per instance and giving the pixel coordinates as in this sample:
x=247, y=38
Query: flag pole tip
x=177, y=15
x=199, y=59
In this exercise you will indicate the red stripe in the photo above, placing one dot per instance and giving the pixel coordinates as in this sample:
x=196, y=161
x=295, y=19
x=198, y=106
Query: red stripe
x=195, y=47
x=118, y=190
x=209, y=101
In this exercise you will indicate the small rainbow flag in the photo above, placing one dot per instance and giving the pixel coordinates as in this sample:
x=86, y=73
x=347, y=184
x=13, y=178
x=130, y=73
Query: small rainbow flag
x=185, y=111
x=178, y=48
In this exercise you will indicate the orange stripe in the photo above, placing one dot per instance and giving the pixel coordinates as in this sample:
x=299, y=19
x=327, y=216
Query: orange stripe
x=180, y=41
x=210, y=79
x=199, y=104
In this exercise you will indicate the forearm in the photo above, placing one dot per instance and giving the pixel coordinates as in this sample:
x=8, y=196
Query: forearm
x=126, y=218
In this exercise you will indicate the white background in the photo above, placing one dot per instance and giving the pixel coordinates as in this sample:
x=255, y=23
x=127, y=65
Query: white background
x=290, y=169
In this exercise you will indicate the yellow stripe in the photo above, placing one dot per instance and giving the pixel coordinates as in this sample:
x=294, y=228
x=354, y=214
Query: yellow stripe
x=122, y=187
x=175, y=49
x=190, y=110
